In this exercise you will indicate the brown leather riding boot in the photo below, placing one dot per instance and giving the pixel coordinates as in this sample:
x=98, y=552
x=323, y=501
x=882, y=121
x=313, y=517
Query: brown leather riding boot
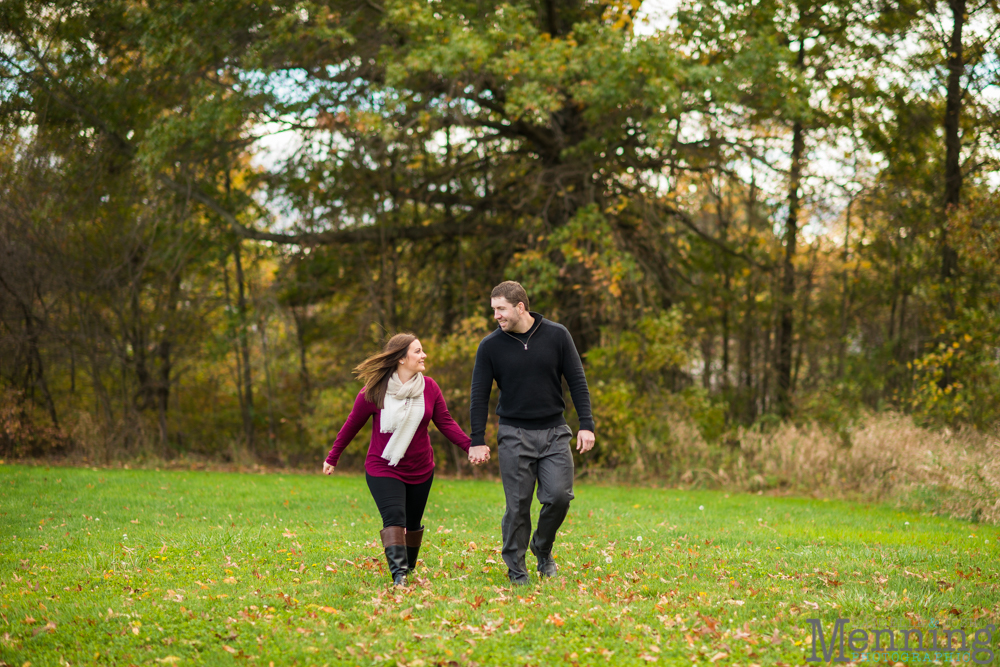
x=394, y=543
x=413, y=540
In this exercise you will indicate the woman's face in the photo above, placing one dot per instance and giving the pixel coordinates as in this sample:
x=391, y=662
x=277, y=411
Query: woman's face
x=414, y=359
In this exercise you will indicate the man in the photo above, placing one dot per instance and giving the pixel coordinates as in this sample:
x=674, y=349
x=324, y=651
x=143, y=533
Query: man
x=528, y=356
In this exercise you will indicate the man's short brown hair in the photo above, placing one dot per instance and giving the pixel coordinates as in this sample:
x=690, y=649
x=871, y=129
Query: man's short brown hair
x=512, y=291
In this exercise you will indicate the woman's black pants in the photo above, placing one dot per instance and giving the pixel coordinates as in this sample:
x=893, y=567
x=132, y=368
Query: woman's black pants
x=399, y=503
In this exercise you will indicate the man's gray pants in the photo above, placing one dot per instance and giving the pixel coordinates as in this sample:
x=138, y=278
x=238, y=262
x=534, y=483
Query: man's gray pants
x=526, y=456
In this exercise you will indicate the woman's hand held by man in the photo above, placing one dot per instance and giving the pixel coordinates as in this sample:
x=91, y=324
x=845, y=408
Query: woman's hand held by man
x=327, y=468
x=480, y=454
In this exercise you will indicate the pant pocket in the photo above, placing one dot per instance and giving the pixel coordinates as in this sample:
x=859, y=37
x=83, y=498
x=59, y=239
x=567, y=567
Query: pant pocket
x=507, y=436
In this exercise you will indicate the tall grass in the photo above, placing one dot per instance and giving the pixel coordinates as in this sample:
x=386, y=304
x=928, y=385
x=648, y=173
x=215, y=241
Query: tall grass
x=885, y=457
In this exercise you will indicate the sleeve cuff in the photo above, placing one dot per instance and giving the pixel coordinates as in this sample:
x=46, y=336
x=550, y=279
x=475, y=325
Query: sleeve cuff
x=587, y=425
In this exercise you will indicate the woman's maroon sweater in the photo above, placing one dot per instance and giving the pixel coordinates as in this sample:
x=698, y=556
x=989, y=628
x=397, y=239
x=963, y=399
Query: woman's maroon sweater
x=418, y=463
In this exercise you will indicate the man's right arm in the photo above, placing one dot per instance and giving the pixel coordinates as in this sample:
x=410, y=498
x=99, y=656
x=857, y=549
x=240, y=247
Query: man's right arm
x=479, y=397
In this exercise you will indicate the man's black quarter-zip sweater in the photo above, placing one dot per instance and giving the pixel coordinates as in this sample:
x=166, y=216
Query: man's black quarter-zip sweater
x=528, y=369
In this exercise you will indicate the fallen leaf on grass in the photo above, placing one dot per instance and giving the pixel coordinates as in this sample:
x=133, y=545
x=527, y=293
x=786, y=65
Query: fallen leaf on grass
x=168, y=660
x=229, y=649
x=49, y=627
x=229, y=580
x=718, y=656
x=555, y=619
x=745, y=634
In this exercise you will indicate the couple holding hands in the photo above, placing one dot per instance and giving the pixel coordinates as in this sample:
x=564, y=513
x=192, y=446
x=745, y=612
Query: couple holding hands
x=528, y=357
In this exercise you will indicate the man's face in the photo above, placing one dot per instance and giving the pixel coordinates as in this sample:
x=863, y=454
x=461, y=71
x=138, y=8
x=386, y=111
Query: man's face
x=507, y=316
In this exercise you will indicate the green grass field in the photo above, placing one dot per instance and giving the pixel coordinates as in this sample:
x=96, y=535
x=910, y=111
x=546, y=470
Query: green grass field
x=151, y=568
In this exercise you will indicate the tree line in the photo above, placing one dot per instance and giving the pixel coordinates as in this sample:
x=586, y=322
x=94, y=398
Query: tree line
x=758, y=211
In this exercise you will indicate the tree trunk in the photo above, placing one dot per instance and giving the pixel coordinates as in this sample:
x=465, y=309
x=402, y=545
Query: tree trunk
x=746, y=353
x=303, y=367
x=726, y=295
x=34, y=356
x=844, y=297
x=272, y=432
x=786, y=326
x=163, y=394
x=229, y=311
x=806, y=297
x=550, y=18
x=707, y=353
x=164, y=350
x=748, y=330
x=244, y=350
x=952, y=162
x=952, y=141
x=40, y=376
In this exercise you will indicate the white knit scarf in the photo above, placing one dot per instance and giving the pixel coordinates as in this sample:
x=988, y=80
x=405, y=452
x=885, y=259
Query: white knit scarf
x=403, y=411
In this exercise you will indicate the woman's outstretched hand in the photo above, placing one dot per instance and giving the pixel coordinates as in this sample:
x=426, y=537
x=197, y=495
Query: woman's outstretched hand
x=479, y=454
x=327, y=468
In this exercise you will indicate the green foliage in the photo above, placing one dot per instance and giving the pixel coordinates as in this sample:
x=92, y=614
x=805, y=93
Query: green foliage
x=646, y=353
x=329, y=413
x=638, y=184
x=937, y=401
x=638, y=393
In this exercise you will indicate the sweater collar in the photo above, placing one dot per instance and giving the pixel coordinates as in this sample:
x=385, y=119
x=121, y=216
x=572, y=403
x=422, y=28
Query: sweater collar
x=538, y=321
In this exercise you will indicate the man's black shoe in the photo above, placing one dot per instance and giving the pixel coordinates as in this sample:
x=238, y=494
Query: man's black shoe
x=518, y=578
x=546, y=565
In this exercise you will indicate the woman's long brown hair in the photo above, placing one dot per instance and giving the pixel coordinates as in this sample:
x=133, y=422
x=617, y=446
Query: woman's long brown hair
x=376, y=370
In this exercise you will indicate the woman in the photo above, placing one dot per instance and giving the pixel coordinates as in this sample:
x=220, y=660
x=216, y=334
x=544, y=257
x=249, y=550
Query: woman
x=400, y=462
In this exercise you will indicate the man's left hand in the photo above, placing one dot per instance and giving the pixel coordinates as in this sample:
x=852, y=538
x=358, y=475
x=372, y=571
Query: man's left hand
x=584, y=441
